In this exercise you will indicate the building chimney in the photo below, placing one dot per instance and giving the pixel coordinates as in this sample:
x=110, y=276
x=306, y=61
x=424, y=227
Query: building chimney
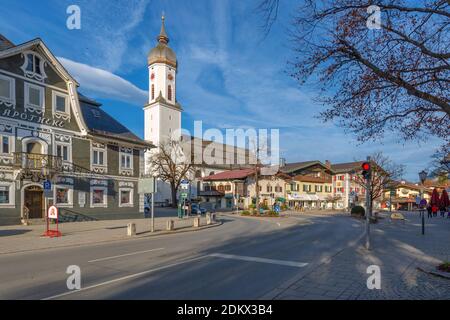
x=328, y=164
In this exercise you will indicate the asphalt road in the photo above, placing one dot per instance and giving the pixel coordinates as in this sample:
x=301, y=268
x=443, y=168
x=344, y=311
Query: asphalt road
x=243, y=259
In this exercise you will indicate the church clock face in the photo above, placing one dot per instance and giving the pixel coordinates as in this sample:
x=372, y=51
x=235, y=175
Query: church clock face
x=152, y=76
x=170, y=77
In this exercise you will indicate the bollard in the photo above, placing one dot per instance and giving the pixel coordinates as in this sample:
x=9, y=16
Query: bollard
x=196, y=222
x=131, y=229
x=170, y=225
x=208, y=218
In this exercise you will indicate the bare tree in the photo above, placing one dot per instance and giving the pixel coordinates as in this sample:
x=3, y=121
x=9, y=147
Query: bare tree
x=171, y=165
x=440, y=164
x=391, y=78
x=384, y=174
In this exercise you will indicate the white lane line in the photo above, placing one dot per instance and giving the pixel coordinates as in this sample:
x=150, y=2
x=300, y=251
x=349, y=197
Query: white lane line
x=125, y=278
x=263, y=260
x=125, y=255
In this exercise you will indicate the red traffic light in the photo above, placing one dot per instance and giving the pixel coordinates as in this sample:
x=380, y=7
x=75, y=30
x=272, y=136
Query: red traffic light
x=366, y=166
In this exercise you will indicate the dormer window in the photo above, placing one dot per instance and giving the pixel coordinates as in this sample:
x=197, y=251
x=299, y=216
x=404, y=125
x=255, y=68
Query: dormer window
x=33, y=66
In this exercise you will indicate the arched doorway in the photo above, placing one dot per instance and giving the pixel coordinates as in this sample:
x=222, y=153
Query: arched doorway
x=33, y=199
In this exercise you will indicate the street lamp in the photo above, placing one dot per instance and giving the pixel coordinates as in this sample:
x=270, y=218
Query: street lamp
x=422, y=176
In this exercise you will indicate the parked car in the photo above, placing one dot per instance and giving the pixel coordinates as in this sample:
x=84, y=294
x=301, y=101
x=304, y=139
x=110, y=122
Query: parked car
x=197, y=209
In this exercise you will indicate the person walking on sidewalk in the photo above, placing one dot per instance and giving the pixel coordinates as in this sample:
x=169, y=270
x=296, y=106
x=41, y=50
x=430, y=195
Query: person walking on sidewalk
x=429, y=212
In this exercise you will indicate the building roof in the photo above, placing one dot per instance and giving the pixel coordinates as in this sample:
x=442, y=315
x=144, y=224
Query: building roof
x=291, y=167
x=5, y=43
x=102, y=124
x=306, y=178
x=346, y=167
x=230, y=175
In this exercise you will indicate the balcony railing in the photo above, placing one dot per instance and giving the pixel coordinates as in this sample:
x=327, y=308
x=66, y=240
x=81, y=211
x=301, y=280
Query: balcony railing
x=37, y=161
x=47, y=164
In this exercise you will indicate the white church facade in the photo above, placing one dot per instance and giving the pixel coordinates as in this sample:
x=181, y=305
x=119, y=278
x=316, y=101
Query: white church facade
x=162, y=119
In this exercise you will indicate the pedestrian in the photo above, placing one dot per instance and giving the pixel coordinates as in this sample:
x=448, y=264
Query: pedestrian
x=442, y=211
x=434, y=209
x=429, y=212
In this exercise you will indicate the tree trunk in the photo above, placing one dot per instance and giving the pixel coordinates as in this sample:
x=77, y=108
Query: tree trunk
x=174, y=195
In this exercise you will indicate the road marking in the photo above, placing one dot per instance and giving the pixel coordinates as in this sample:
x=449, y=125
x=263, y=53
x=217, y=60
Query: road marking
x=125, y=278
x=263, y=260
x=125, y=255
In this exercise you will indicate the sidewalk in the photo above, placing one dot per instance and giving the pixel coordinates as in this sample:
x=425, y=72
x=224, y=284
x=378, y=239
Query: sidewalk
x=398, y=248
x=25, y=238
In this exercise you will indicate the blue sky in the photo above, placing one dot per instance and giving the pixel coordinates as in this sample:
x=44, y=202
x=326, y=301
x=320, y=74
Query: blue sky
x=229, y=76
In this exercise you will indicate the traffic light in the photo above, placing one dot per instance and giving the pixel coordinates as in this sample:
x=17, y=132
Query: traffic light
x=366, y=170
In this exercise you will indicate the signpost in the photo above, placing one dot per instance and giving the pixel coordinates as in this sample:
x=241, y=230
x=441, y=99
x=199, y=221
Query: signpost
x=145, y=186
x=52, y=213
x=184, y=194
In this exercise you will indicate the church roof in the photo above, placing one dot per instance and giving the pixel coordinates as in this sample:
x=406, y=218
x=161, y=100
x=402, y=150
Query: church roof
x=162, y=53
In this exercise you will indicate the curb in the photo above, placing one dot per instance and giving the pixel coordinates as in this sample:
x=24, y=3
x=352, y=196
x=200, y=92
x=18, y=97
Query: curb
x=436, y=273
x=125, y=238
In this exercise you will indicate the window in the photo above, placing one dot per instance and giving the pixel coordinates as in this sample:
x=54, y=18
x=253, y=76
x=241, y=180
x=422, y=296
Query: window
x=62, y=195
x=126, y=197
x=306, y=187
x=220, y=188
x=7, y=195
x=169, y=93
x=125, y=161
x=5, y=146
x=34, y=96
x=98, y=157
x=153, y=91
x=7, y=90
x=33, y=63
x=4, y=195
x=98, y=197
x=318, y=188
x=59, y=102
x=227, y=187
x=62, y=151
x=126, y=158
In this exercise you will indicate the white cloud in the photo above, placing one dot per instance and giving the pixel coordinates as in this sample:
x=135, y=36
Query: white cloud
x=104, y=84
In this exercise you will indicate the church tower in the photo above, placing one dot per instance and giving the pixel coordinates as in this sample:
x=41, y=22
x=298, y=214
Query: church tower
x=162, y=114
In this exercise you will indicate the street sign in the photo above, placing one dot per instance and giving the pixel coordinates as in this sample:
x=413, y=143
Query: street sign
x=418, y=200
x=147, y=185
x=184, y=184
x=48, y=193
x=184, y=194
x=423, y=203
x=47, y=185
x=53, y=212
